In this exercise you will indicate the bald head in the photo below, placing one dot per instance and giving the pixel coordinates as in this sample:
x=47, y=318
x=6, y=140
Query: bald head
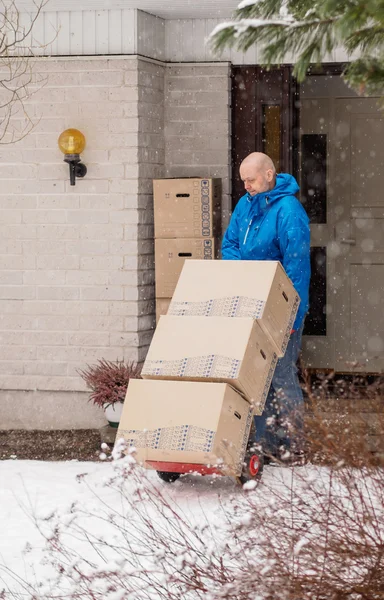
x=258, y=173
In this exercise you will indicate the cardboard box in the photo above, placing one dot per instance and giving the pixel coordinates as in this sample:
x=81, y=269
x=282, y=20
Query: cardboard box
x=187, y=208
x=162, y=305
x=186, y=424
x=170, y=256
x=239, y=288
x=234, y=351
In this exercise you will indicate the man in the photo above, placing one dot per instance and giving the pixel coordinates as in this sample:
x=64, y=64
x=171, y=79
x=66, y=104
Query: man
x=269, y=223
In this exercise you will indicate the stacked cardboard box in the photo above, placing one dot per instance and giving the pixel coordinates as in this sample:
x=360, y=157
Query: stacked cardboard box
x=210, y=365
x=187, y=225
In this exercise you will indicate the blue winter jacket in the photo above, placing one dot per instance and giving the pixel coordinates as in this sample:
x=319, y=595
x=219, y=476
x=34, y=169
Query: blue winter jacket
x=273, y=225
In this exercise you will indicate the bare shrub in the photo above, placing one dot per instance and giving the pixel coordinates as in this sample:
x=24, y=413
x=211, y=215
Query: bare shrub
x=309, y=533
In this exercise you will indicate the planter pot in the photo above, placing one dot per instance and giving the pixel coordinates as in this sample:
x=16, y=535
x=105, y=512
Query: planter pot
x=113, y=413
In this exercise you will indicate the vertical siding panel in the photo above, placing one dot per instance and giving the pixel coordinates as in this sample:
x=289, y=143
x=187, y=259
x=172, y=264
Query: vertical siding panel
x=199, y=33
x=89, y=32
x=142, y=25
x=176, y=53
x=187, y=40
x=102, y=18
x=115, y=32
x=129, y=31
x=24, y=25
x=168, y=33
x=76, y=32
x=63, y=44
x=51, y=32
x=38, y=35
x=210, y=25
x=160, y=39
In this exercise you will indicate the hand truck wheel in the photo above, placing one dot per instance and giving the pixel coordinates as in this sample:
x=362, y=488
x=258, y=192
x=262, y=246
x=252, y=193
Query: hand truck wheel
x=168, y=476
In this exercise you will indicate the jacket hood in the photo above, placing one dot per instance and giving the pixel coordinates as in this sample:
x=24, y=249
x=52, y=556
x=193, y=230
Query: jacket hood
x=286, y=185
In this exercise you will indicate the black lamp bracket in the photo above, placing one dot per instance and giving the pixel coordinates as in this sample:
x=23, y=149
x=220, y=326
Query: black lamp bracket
x=76, y=167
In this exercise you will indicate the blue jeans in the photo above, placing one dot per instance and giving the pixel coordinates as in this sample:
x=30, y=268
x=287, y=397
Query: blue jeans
x=280, y=427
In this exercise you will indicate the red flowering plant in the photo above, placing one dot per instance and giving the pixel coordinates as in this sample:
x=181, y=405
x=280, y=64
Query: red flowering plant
x=109, y=380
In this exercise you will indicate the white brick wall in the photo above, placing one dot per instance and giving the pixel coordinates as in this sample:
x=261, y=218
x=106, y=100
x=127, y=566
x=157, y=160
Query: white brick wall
x=76, y=263
x=198, y=124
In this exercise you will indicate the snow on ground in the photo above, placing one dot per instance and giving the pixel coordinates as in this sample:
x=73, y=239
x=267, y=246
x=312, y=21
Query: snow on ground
x=32, y=488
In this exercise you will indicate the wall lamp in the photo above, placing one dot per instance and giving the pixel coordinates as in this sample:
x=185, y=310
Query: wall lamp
x=72, y=143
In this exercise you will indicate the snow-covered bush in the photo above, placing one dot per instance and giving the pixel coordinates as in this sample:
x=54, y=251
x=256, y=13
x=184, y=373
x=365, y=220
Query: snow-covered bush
x=309, y=533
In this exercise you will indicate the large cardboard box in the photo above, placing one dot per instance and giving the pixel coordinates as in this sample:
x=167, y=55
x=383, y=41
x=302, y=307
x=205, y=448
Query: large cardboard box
x=187, y=208
x=162, y=305
x=186, y=424
x=170, y=256
x=239, y=288
x=234, y=351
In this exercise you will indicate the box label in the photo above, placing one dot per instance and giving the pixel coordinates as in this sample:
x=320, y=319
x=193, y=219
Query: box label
x=231, y=306
x=212, y=365
x=188, y=438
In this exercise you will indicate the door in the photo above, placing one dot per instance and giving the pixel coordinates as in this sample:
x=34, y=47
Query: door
x=264, y=119
x=343, y=190
x=358, y=283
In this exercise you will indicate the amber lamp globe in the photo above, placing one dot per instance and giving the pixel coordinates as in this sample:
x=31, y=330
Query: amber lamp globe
x=72, y=143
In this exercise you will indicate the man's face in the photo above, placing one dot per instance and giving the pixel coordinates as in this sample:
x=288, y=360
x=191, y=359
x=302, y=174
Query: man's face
x=256, y=179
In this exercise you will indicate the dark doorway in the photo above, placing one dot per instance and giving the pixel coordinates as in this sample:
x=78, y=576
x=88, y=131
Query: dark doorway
x=265, y=112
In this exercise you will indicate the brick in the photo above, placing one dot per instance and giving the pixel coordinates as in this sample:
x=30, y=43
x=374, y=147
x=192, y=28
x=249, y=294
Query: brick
x=101, y=323
x=125, y=155
x=57, y=353
x=106, y=78
x=19, y=232
x=58, y=232
x=88, y=186
x=101, y=202
x=58, y=323
x=87, y=247
x=57, y=202
x=99, y=263
x=124, y=308
x=45, y=368
x=127, y=186
x=102, y=293
x=10, y=246
x=92, y=110
x=17, y=322
x=31, y=247
x=11, y=277
x=17, y=292
x=11, y=216
x=44, y=216
x=126, y=125
x=87, y=216
x=124, y=94
x=88, y=339
x=123, y=278
x=44, y=277
x=58, y=293
x=102, y=232
x=13, y=368
x=18, y=202
x=86, y=278
x=44, y=338
x=124, y=339
x=18, y=352
x=47, y=262
x=123, y=247
x=21, y=262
